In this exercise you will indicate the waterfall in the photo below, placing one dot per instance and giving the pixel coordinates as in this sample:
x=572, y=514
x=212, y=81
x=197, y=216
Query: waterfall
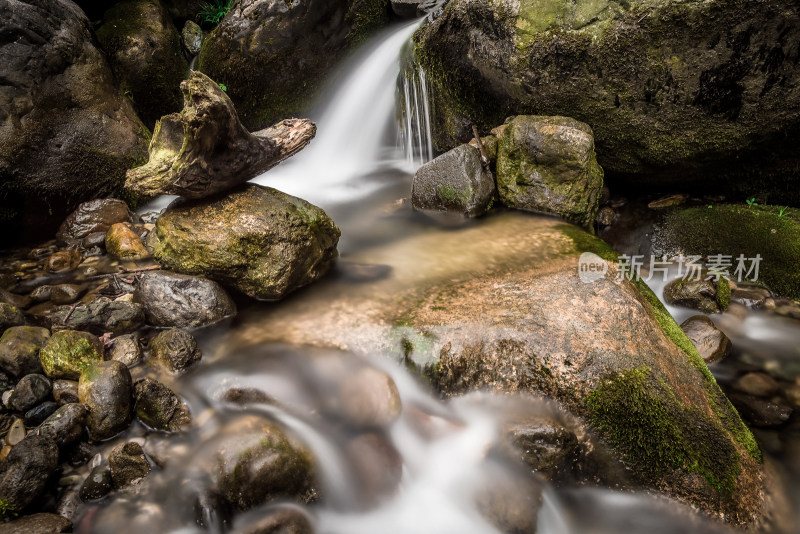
x=414, y=124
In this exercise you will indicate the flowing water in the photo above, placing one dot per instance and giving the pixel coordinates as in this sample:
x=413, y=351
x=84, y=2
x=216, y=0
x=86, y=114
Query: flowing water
x=438, y=468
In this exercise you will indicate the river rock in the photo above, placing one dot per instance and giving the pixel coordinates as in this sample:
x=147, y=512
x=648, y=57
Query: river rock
x=705, y=295
x=125, y=244
x=750, y=297
x=456, y=182
x=175, y=349
x=204, y=149
x=158, y=407
x=100, y=316
x=284, y=520
x=98, y=484
x=269, y=57
x=712, y=344
x=675, y=95
x=67, y=140
x=63, y=261
x=366, y=398
x=38, y=524
x=106, y=388
x=547, y=164
x=65, y=391
x=126, y=350
x=270, y=243
x=25, y=471
x=16, y=432
x=65, y=426
x=128, y=464
x=10, y=316
x=406, y=9
x=93, y=217
x=757, y=384
x=29, y=392
x=258, y=463
x=377, y=465
x=19, y=349
x=547, y=448
x=38, y=414
x=760, y=412
x=605, y=217
x=66, y=293
x=192, y=37
x=67, y=353
x=144, y=51
x=20, y=301
x=183, y=301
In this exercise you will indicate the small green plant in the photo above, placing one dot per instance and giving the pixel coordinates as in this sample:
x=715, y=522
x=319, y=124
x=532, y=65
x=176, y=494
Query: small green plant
x=7, y=509
x=214, y=12
x=782, y=210
x=751, y=202
x=223, y=87
x=710, y=206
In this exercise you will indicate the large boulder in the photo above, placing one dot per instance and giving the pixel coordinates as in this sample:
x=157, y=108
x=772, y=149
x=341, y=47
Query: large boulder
x=144, y=51
x=68, y=135
x=182, y=301
x=257, y=240
x=269, y=53
x=548, y=164
x=701, y=94
x=454, y=182
x=204, y=149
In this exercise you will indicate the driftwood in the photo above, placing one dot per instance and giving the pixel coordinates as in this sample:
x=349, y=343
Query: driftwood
x=205, y=149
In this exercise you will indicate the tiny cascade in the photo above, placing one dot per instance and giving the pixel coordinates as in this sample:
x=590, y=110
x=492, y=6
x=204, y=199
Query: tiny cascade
x=414, y=117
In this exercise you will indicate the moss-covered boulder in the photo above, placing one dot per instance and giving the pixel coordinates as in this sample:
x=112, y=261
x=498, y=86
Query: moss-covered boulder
x=125, y=244
x=700, y=94
x=257, y=240
x=68, y=352
x=771, y=232
x=144, y=50
x=10, y=316
x=548, y=164
x=69, y=134
x=273, y=56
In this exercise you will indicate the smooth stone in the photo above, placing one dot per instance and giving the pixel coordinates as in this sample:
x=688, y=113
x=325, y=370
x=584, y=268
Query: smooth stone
x=182, y=301
x=175, y=349
x=42, y=523
x=750, y=297
x=10, y=316
x=29, y=392
x=106, y=388
x=367, y=398
x=65, y=391
x=38, y=414
x=712, y=344
x=128, y=464
x=760, y=412
x=284, y=520
x=19, y=349
x=25, y=471
x=700, y=294
x=98, y=484
x=65, y=426
x=159, y=407
x=93, y=217
x=100, y=316
x=63, y=261
x=126, y=350
x=605, y=217
x=66, y=293
x=757, y=384
x=16, y=433
x=123, y=243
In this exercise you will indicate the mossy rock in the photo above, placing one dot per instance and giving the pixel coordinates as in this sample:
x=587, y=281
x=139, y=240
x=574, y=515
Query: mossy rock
x=10, y=316
x=735, y=230
x=19, y=349
x=68, y=353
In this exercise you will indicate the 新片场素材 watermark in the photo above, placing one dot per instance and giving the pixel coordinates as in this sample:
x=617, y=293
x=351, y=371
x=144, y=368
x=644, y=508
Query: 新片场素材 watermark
x=592, y=267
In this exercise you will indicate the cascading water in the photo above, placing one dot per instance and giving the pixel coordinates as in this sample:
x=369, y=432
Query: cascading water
x=414, y=117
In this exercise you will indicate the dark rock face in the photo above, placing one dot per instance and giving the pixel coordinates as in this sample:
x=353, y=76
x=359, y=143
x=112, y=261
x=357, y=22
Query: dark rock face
x=26, y=469
x=91, y=217
x=65, y=426
x=106, y=388
x=183, y=301
x=144, y=51
x=456, y=182
x=175, y=349
x=66, y=140
x=38, y=524
x=158, y=407
x=128, y=464
x=674, y=95
x=272, y=243
x=101, y=316
x=19, y=349
x=29, y=392
x=406, y=9
x=712, y=344
x=98, y=484
x=268, y=52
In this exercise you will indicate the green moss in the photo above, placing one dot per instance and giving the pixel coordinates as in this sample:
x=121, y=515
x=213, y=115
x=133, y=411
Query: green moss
x=7, y=509
x=365, y=17
x=723, y=294
x=68, y=353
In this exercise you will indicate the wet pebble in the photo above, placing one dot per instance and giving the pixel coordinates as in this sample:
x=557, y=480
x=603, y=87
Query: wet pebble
x=65, y=426
x=175, y=349
x=26, y=470
x=69, y=352
x=158, y=407
x=10, y=316
x=65, y=391
x=19, y=349
x=712, y=344
x=128, y=464
x=126, y=350
x=29, y=392
x=106, y=388
x=66, y=293
x=16, y=433
x=63, y=261
x=38, y=414
x=98, y=484
x=758, y=384
x=38, y=524
x=760, y=412
x=367, y=398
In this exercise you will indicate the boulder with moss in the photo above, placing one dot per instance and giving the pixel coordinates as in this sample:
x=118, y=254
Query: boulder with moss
x=260, y=241
x=68, y=133
x=270, y=54
x=699, y=94
x=68, y=352
x=144, y=50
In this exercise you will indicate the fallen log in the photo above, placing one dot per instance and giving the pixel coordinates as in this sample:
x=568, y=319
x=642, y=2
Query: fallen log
x=204, y=149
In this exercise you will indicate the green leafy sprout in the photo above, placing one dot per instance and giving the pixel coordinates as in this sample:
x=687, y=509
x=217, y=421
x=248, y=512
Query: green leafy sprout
x=223, y=87
x=751, y=202
x=782, y=210
x=7, y=509
x=214, y=12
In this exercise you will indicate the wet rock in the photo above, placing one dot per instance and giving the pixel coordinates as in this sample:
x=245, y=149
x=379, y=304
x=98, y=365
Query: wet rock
x=29, y=392
x=106, y=388
x=192, y=37
x=123, y=243
x=25, y=471
x=547, y=164
x=158, y=407
x=547, y=447
x=98, y=484
x=406, y=9
x=712, y=344
x=605, y=217
x=128, y=464
x=19, y=349
x=126, y=350
x=750, y=297
x=454, y=182
x=63, y=261
x=284, y=520
x=65, y=293
x=95, y=239
x=16, y=433
x=377, y=464
x=246, y=396
x=67, y=353
x=68, y=140
x=38, y=414
x=258, y=463
x=204, y=149
x=705, y=295
x=667, y=202
x=10, y=316
x=93, y=217
x=175, y=349
x=65, y=426
x=41, y=293
x=20, y=301
x=65, y=391
x=273, y=243
x=367, y=398
x=757, y=384
x=100, y=316
x=182, y=301
x=510, y=505
x=144, y=51
x=760, y=412
x=38, y=524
